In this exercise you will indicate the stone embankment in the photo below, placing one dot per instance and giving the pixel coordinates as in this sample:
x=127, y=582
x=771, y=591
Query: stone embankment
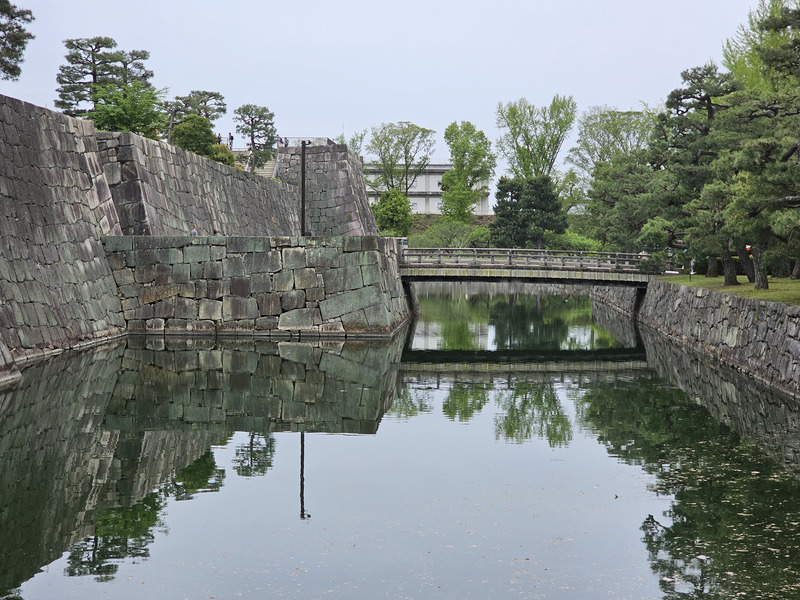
x=761, y=339
x=273, y=287
x=65, y=187
x=56, y=287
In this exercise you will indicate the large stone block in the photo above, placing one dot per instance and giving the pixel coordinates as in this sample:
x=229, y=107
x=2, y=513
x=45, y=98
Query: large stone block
x=344, y=303
x=236, y=309
x=293, y=299
x=305, y=279
x=269, y=304
x=302, y=319
x=294, y=258
x=210, y=309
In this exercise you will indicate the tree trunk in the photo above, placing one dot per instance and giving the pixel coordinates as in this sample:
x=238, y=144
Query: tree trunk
x=796, y=269
x=728, y=267
x=760, y=282
x=747, y=263
x=713, y=267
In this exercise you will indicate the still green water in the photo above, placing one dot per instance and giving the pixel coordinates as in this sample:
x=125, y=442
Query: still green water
x=519, y=444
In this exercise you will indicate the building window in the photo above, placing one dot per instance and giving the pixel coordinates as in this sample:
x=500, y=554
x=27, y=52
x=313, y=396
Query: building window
x=414, y=207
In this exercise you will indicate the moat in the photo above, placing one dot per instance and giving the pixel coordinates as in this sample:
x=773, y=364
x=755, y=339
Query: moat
x=516, y=442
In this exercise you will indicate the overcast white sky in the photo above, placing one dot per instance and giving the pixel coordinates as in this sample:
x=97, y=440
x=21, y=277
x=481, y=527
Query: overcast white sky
x=333, y=66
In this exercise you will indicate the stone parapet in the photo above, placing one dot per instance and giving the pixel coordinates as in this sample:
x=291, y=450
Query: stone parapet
x=283, y=287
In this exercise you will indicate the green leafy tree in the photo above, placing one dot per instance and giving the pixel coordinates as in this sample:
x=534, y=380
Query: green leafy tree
x=222, y=154
x=393, y=214
x=93, y=62
x=132, y=107
x=90, y=62
x=531, y=137
x=403, y=150
x=526, y=209
x=194, y=134
x=256, y=124
x=354, y=143
x=449, y=233
x=744, y=53
x=210, y=105
x=14, y=38
x=473, y=167
x=604, y=132
x=620, y=200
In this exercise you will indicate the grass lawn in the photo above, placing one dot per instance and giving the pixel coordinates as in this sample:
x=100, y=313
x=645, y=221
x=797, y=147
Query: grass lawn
x=780, y=290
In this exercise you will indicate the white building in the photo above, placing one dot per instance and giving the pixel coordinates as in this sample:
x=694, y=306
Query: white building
x=426, y=193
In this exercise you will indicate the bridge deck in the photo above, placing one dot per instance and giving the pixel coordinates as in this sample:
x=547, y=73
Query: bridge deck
x=498, y=264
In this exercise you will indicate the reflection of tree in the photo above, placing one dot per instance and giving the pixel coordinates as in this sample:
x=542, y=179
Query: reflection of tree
x=119, y=533
x=126, y=532
x=255, y=457
x=535, y=322
x=733, y=529
x=465, y=399
x=532, y=409
x=200, y=476
x=455, y=315
x=410, y=402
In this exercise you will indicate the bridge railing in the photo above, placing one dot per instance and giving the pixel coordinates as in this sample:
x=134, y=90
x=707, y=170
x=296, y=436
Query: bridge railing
x=523, y=257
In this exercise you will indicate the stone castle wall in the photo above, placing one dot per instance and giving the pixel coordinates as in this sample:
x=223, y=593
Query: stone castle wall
x=160, y=189
x=56, y=287
x=64, y=186
x=336, y=192
x=759, y=338
x=280, y=287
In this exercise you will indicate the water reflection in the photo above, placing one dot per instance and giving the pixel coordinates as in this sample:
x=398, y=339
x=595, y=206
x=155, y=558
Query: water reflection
x=94, y=443
x=97, y=445
x=519, y=317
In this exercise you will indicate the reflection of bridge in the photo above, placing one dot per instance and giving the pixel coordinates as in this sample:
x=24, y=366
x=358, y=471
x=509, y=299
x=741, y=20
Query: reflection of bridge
x=496, y=362
x=503, y=264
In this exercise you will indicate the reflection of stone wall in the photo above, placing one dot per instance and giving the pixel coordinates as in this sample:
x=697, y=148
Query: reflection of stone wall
x=280, y=286
x=56, y=458
x=621, y=326
x=336, y=193
x=160, y=189
x=335, y=387
x=85, y=431
x=760, y=413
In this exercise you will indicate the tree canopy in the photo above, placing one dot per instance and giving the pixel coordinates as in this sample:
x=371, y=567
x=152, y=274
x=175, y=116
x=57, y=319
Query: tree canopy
x=132, y=107
x=393, y=213
x=256, y=124
x=473, y=167
x=14, y=38
x=531, y=137
x=93, y=62
x=526, y=209
x=403, y=150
